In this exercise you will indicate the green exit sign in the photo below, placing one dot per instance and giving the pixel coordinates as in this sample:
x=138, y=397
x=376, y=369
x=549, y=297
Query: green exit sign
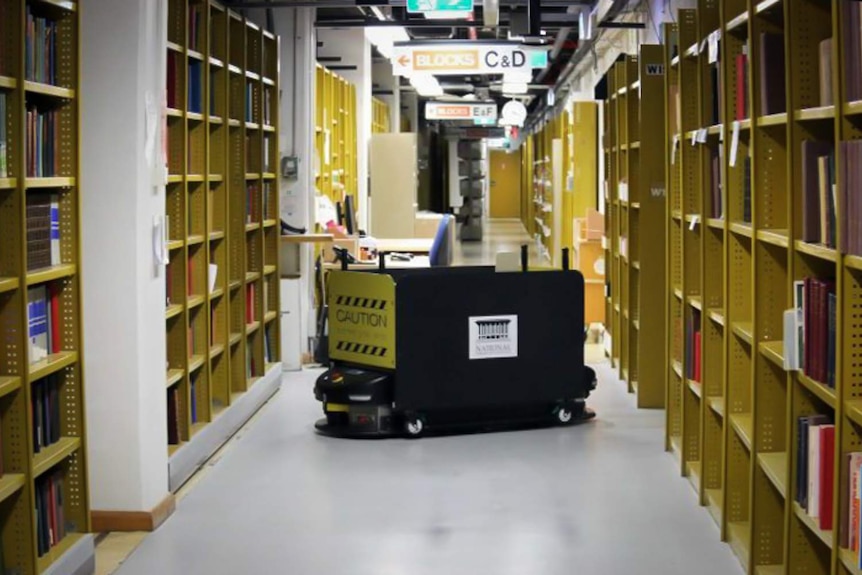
x=420, y=6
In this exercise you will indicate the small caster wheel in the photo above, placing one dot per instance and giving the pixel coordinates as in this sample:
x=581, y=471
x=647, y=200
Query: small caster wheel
x=564, y=415
x=414, y=426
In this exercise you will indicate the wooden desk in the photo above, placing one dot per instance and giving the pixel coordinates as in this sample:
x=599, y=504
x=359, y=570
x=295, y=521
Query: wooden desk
x=417, y=262
x=405, y=245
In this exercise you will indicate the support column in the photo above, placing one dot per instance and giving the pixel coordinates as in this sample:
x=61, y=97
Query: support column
x=122, y=88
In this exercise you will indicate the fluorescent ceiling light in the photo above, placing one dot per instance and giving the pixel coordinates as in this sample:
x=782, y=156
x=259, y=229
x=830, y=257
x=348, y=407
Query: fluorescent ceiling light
x=377, y=12
x=446, y=15
x=515, y=87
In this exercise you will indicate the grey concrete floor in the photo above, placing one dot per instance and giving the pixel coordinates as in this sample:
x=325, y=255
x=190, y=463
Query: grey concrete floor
x=598, y=498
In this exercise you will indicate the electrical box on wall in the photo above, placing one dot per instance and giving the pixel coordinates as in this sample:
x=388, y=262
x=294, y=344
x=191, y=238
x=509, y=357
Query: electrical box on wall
x=289, y=167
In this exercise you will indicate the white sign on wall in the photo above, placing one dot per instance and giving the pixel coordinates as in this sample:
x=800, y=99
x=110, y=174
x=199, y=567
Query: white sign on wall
x=465, y=58
x=478, y=113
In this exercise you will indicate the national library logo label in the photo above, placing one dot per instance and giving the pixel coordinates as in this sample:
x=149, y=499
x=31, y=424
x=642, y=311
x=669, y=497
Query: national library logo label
x=493, y=337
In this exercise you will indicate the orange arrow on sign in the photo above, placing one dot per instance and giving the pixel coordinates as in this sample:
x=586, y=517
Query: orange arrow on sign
x=404, y=60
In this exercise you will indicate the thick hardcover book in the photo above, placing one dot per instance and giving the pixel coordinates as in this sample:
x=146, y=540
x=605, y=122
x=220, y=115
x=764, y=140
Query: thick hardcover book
x=746, y=190
x=830, y=347
x=39, y=231
x=173, y=417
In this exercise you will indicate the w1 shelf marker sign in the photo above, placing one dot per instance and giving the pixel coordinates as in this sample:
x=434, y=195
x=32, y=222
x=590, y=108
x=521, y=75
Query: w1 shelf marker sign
x=421, y=6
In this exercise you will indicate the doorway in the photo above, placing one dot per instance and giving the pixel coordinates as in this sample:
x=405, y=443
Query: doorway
x=505, y=184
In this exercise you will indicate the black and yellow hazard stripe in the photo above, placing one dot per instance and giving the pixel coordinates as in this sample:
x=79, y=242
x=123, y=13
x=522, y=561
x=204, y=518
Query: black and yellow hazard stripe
x=361, y=348
x=361, y=302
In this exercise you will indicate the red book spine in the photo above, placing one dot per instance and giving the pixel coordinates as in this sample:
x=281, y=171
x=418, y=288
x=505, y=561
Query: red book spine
x=56, y=345
x=827, y=460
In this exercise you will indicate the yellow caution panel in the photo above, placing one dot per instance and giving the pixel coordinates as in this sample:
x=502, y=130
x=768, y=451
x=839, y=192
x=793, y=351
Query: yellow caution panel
x=362, y=318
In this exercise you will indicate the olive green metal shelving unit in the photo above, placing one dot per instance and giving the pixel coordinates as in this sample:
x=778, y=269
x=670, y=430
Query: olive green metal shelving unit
x=67, y=457
x=734, y=432
x=635, y=209
x=222, y=208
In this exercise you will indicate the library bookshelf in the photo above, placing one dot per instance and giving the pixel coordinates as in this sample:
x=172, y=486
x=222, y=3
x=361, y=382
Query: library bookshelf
x=636, y=195
x=335, y=164
x=763, y=112
x=379, y=116
x=44, y=509
x=222, y=208
x=556, y=189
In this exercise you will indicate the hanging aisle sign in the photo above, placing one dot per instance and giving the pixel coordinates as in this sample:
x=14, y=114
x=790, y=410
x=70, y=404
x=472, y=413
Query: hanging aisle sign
x=422, y=6
x=477, y=113
x=465, y=58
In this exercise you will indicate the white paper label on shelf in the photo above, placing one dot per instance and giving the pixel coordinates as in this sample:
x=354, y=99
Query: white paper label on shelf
x=693, y=224
x=694, y=137
x=604, y=242
x=673, y=147
x=713, y=46
x=720, y=134
x=701, y=136
x=734, y=143
x=326, y=150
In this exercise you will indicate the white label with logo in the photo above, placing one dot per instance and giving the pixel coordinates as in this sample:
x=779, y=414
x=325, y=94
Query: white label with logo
x=493, y=336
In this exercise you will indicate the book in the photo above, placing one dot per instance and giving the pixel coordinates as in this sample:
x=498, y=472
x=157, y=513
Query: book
x=173, y=417
x=42, y=142
x=195, y=89
x=193, y=399
x=851, y=22
x=742, y=111
x=811, y=213
x=37, y=323
x=40, y=48
x=39, y=223
x=825, y=69
x=826, y=471
x=854, y=462
x=4, y=138
x=772, y=76
x=746, y=190
x=50, y=511
x=832, y=305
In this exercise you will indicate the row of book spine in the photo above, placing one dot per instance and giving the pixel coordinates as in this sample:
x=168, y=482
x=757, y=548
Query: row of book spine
x=851, y=196
x=45, y=411
x=252, y=202
x=818, y=189
x=815, y=459
x=196, y=29
x=43, y=321
x=816, y=304
x=43, y=142
x=40, y=50
x=43, y=231
x=51, y=524
x=851, y=22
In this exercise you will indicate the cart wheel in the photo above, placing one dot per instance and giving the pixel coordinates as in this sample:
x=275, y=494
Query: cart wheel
x=564, y=415
x=414, y=426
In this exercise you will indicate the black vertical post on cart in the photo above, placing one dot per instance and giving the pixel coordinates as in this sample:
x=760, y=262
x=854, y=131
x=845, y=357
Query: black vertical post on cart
x=524, y=258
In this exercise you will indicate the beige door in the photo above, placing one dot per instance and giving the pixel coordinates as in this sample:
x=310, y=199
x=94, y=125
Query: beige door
x=505, y=184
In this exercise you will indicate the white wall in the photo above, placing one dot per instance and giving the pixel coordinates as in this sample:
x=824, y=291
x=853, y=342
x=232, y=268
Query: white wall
x=123, y=48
